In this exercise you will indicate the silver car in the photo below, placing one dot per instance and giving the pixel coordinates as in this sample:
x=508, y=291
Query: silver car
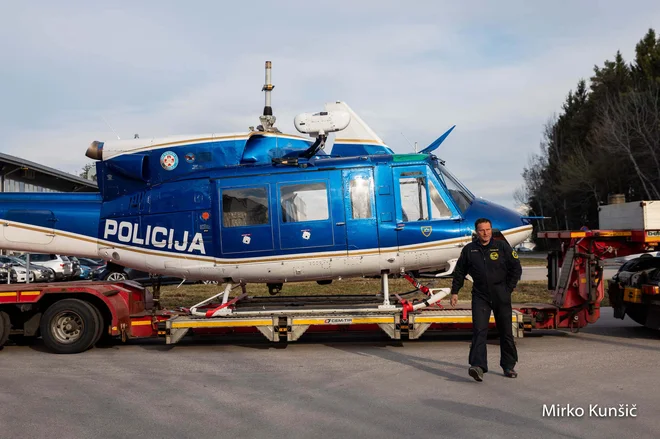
x=61, y=266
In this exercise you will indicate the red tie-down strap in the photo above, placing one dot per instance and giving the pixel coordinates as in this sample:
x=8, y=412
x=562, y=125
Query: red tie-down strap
x=229, y=303
x=407, y=305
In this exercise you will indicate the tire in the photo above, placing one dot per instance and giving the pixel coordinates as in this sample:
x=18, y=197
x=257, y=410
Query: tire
x=99, y=331
x=69, y=326
x=116, y=276
x=637, y=313
x=5, y=326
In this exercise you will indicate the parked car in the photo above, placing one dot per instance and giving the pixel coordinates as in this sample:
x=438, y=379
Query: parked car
x=85, y=272
x=92, y=263
x=39, y=272
x=95, y=266
x=21, y=274
x=115, y=272
x=60, y=264
x=4, y=273
x=75, y=266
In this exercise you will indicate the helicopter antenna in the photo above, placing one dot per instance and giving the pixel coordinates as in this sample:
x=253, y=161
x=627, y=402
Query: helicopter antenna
x=112, y=129
x=267, y=119
x=415, y=147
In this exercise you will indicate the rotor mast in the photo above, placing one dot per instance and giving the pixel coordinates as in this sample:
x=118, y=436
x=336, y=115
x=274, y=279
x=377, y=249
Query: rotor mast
x=267, y=119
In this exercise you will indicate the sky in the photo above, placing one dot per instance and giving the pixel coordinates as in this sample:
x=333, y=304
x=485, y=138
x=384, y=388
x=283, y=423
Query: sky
x=77, y=71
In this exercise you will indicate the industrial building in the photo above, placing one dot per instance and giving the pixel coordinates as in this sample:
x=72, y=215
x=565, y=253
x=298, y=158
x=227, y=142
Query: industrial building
x=20, y=175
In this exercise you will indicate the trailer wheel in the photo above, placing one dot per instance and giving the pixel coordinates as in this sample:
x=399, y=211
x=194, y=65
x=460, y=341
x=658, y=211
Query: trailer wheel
x=99, y=331
x=637, y=313
x=5, y=326
x=69, y=326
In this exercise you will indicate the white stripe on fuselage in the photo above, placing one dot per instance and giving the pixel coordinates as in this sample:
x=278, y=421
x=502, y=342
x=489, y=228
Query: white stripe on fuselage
x=297, y=267
x=115, y=148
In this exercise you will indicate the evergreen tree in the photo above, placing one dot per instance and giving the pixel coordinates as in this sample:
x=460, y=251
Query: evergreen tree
x=606, y=140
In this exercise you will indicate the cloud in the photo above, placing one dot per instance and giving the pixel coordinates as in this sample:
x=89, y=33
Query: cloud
x=497, y=71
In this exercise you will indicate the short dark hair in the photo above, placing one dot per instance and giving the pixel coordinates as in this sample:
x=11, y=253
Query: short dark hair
x=481, y=221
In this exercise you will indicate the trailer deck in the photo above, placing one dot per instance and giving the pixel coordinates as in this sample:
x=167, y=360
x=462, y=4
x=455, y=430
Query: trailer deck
x=73, y=316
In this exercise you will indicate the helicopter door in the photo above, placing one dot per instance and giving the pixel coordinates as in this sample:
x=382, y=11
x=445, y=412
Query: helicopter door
x=360, y=207
x=426, y=222
x=246, y=218
x=311, y=218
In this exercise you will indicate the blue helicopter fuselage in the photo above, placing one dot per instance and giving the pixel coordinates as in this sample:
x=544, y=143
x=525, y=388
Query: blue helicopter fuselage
x=247, y=207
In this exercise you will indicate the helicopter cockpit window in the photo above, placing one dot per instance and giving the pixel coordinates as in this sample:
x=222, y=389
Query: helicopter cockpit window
x=360, y=190
x=414, y=205
x=438, y=207
x=244, y=207
x=461, y=195
x=304, y=202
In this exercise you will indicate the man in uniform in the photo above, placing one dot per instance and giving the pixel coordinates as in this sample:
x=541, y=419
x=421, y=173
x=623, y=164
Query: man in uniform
x=495, y=271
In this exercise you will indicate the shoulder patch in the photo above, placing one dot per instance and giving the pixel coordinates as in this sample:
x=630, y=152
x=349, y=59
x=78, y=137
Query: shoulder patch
x=514, y=254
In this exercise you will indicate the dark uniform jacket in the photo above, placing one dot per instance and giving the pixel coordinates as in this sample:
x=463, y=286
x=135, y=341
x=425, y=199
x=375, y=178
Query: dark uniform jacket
x=494, y=268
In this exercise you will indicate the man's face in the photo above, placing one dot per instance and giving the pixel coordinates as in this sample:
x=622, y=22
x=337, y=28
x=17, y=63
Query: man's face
x=484, y=232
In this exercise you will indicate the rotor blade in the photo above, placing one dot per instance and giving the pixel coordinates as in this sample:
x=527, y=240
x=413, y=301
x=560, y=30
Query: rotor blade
x=433, y=146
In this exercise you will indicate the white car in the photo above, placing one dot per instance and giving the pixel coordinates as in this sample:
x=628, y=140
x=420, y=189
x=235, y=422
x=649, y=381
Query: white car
x=19, y=274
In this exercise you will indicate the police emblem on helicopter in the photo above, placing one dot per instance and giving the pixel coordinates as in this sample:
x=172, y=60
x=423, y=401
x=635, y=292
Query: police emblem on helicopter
x=169, y=160
x=426, y=231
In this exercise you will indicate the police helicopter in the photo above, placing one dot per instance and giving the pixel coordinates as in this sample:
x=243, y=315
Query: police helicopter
x=262, y=206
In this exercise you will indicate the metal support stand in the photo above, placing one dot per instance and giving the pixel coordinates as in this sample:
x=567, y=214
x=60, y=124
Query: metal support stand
x=384, y=285
x=224, y=294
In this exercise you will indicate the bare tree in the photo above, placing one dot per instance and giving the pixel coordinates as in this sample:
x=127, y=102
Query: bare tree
x=580, y=173
x=628, y=125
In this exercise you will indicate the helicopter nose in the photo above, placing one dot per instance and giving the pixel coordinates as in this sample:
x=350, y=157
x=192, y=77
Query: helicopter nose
x=507, y=221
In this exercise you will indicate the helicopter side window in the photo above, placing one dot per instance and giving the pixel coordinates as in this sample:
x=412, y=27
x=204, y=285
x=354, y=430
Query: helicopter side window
x=360, y=191
x=304, y=202
x=413, y=198
x=244, y=207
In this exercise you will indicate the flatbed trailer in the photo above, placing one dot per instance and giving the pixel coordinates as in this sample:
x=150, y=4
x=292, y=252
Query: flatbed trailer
x=71, y=317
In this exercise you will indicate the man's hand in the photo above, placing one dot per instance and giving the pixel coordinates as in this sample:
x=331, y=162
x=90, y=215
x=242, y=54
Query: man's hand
x=454, y=300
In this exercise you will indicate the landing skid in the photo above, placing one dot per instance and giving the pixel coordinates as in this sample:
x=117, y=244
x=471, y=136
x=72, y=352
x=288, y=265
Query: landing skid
x=227, y=307
x=288, y=318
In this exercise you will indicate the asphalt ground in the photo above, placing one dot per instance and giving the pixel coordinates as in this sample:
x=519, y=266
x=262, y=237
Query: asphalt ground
x=336, y=387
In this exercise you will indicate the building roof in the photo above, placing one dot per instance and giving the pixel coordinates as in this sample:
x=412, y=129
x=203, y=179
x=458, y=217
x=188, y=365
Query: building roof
x=19, y=169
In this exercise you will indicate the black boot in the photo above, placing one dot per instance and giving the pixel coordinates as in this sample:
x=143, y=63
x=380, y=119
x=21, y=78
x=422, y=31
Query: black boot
x=511, y=373
x=477, y=373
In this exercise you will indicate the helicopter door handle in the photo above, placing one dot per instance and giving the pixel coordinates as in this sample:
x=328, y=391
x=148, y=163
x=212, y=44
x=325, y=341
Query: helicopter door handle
x=340, y=224
x=399, y=227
